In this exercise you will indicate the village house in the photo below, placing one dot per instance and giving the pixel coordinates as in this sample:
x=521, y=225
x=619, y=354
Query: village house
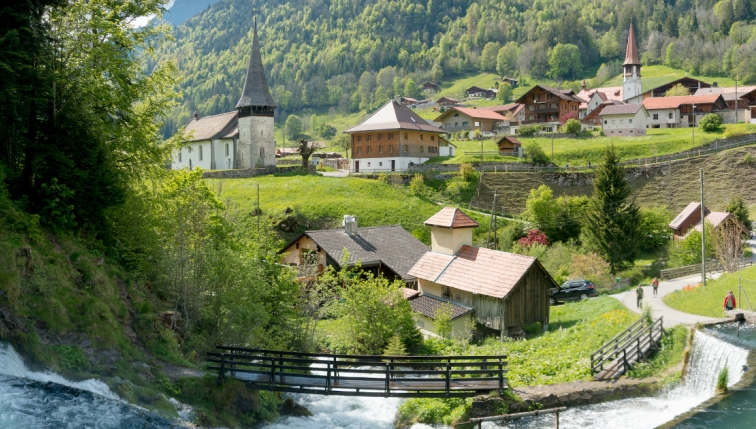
x=593, y=119
x=406, y=101
x=689, y=219
x=513, y=112
x=597, y=97
x=478, y=92
x=431, y=87
x=549, y=106
x=389, y=251
x=627, y=120
x=240, y=139
x=446, y=148
x=509, y=146
x=511, y=81
x=682, y=111
x=392, y=139
x=456, y=119
x=746, y=102
x=500, y=290
x=447, y=102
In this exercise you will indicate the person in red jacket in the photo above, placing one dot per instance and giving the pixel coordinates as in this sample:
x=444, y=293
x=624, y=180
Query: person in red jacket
x=729, y=302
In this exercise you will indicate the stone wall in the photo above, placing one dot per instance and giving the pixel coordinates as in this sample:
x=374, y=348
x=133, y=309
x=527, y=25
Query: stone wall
x=449, y=168
x=239, y=174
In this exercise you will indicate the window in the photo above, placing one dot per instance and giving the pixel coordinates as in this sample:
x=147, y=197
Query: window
x=405, y=136
x=613, y=121
x=456, y=115
x=226, y=149
x=391, y=148
x=406, y=148
x=433, y=138
x=359, y=138
x=380, y=164
x=456, y=124
x=262, y=152
x=370, y=149
x=477, y=124
x=421, y=149
x=180, y=155
x=368, y=164
x=670, y=115
x=605, y=122
x=421, y=137
x=380, y=149
x=629, y=121
x=369, y=137
x=391, y=136
x=656, y=116
x=622, y=121
x=359, y=151
x=200, y=152
x=380, y=137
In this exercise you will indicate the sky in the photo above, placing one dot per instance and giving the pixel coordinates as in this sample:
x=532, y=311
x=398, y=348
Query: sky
x=143, y=20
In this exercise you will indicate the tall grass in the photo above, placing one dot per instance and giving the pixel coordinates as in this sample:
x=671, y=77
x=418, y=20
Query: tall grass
x=707, y=301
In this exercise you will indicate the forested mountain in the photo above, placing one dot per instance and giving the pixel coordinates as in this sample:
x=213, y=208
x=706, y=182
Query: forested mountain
x=181, y=10
x=350, y=55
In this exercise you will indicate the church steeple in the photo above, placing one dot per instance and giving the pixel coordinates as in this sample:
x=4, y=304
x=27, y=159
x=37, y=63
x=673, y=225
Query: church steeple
x=255, y=99
x=631, y=85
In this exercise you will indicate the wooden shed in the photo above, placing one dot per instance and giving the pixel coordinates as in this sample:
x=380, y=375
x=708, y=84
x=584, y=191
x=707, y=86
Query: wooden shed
x=508, y=145
x=504, y=290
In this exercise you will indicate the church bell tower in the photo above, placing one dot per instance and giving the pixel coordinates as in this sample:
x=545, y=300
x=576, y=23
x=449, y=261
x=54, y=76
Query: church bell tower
x=631, y=85
x=257, y=145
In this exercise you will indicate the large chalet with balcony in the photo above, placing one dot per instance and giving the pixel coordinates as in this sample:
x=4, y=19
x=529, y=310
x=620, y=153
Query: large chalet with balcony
x=549, y=107
x=392, y=139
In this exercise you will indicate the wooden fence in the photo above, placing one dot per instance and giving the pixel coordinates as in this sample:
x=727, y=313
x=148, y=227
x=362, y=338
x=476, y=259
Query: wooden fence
x=689, y=270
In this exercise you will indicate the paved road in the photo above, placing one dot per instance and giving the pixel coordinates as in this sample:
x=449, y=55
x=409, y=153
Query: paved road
x=337, y=173
x=672, y=317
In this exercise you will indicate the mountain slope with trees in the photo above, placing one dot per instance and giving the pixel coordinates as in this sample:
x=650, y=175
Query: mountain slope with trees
x=350, y=56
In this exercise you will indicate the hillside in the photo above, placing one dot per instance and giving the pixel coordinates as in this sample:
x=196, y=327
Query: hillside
x=728, y=175
x=181, y=10
x=343, y=57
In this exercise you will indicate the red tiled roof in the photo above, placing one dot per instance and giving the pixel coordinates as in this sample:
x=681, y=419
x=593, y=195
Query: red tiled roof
x=451, y=217
x=652, y=103
x=474, y=113
x=684, y=215
x=474, y=269
x=631, y=52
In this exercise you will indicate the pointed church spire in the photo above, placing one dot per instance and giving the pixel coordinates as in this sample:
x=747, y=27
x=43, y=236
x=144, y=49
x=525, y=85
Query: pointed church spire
x=255, y=98
x=631, y=52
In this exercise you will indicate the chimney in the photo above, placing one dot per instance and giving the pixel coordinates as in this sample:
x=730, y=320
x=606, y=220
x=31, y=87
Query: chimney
x=196, y=115
x=714, y=84
x=350, y=225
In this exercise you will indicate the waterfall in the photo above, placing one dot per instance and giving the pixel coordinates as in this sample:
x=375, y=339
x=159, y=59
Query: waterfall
x=710, y=353
x=45, y=400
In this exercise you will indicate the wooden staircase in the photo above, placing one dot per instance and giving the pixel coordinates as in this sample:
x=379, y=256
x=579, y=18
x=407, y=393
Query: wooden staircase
x=632, y=345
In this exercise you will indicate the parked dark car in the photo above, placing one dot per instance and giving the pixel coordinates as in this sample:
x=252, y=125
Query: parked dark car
x=573, y=290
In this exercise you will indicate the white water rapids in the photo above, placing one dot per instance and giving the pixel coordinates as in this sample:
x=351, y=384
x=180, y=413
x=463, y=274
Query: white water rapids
x=45, y=400
x=709, y=354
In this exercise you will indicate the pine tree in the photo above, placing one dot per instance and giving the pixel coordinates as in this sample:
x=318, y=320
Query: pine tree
x=395, y=347
x=611, y=222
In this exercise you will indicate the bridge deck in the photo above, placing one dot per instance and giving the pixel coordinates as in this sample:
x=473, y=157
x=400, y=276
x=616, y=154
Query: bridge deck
x=628, y=348
x=349, y=375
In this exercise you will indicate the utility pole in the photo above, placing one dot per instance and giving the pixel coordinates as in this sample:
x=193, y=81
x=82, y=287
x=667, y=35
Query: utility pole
x=703, y=231
x=736, y=100
x=492, y=224
x=552, y=146
x=694, y=127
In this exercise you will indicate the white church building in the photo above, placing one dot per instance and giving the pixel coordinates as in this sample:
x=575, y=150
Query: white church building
x=241, y=139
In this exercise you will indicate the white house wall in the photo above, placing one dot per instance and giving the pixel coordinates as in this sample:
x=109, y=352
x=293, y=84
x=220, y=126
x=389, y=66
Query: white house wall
x=383, y=165
x=625, y=125
x=189, y=156
x=223, y=161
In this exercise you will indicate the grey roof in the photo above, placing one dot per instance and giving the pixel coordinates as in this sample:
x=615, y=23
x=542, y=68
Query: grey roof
x=394, y=116
x=564, y=94
x=428, y=305
x=391, y=246
x=213, y=127
x=621, y=109
x=255, y=91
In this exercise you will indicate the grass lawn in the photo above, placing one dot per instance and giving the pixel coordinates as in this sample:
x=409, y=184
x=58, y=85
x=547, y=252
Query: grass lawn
x=323, y=201
x=654, y=76
x=708, y=301
x=658, y=142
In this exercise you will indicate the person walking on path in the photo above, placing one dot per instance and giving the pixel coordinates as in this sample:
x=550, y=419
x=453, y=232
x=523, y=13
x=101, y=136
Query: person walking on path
x=655, y=284
x=729, y=302
x=639, y=295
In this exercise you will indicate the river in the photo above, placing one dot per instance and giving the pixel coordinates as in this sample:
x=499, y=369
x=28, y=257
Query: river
x=31, y=399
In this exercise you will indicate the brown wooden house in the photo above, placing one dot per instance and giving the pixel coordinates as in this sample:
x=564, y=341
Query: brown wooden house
x=508, y=145
x=504, y=290
x=447, y=101
x=549, y=105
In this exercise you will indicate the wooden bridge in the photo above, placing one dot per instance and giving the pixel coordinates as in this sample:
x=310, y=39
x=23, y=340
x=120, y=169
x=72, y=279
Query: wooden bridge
x=632, y=345
x=361, y=375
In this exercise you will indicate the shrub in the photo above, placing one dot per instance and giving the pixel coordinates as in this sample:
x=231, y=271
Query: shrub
x=395, y=347
x=466, y=171
x=442, y=320
x=383, y=178
x=535, y=154
x=534, y=237
x=722, y=379
x=417, y=185
x=572, y=126
x=748, y=159
x=529, y=130
x=710, y=122
x=591, y=267
x=654, y=230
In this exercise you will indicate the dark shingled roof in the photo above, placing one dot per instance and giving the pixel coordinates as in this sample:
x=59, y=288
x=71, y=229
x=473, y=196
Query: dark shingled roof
x=428, y=305
x=621, y=109
x=255, y=91
x=394, y=116
x=391, y=246
x=212, y=127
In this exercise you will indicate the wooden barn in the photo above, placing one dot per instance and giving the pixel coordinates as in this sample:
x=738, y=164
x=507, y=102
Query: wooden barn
x=508, y=145
x=502, y=290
